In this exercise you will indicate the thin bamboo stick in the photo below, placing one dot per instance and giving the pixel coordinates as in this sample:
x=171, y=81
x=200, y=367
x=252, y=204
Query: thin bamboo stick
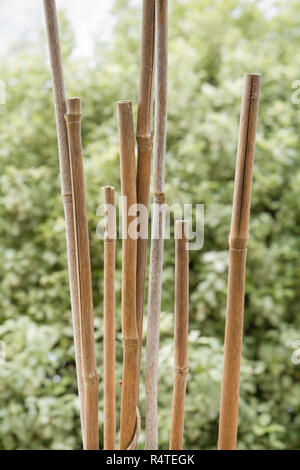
x=180, y=333
x=238, y=241
x=90, y=376
x=145, y=145
x=158, y=221
x=66, y=185
x=109, y=321
x=129, y=326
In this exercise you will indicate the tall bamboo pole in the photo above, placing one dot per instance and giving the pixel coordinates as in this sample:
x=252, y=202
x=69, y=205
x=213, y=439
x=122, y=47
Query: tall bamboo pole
x=65, y=178
x=181, y=326
x=129, y=326
x=145, y=144
x=90, y=376
x=158, y=220
x=109, y=320
x=238, y=241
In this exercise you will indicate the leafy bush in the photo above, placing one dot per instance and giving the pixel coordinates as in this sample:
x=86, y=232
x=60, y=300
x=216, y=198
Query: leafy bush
x=212, y=43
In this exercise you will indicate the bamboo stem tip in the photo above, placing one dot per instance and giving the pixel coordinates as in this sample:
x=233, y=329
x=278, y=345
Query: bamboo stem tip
x=108, y=188
x=181, y=228
x=124, y=105
x=258, y=75
x=109, y=194
x=74, y=105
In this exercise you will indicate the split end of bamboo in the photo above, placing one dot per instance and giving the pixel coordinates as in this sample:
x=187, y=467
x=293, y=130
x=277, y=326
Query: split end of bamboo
x=110, y=214
x=127, y=154
x=129, y=326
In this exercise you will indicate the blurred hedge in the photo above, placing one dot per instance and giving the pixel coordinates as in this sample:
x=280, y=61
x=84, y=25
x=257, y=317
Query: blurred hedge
x=212, y=43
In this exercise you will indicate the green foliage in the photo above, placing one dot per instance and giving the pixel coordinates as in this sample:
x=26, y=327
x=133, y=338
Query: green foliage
x=212, y=44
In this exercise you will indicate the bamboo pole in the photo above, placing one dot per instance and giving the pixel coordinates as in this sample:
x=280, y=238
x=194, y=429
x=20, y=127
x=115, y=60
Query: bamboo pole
x=90, y=376
x=66, y=185
x=109, y=320
x=129, y=326
x=180, y=333
x=145, y=145
x=238, y=241
x=158, y=221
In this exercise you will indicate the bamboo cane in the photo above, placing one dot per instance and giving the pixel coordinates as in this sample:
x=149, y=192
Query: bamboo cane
x=109, y=320
x=145, y=145
x=90, y=376
x=158, y=220
x=180, y=333
x=66, y=185
x=129, y=326
x=238, y=240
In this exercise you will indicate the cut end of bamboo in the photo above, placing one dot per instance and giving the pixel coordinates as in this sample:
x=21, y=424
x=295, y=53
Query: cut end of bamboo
x=74, y=105
x=129, y=327
x=238, y=239
x=181, y=322
x=126, y=132
x=109, y=194
x=181, y=229
x=252, y=80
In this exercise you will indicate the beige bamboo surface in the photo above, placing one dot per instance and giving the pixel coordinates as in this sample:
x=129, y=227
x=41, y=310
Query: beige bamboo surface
x=66, y=185
x=145, y=144
x=238, y=241
x=129, y=325
x=90, y=376
x=158, y=221
x=181, y=325
x=109, y=393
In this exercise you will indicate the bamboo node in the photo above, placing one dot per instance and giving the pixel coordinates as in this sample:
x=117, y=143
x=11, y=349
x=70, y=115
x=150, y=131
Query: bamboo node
x=159, y=197
x=67, y=197
x=91, y=379
x=182, y=371
x=130, y=343
x=238, y=243
x=145, y=142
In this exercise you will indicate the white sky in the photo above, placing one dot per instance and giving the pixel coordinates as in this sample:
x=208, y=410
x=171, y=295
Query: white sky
x=19, y=19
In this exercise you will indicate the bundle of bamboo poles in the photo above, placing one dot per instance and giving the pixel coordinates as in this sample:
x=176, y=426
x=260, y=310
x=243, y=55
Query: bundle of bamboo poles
x=135, y=189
